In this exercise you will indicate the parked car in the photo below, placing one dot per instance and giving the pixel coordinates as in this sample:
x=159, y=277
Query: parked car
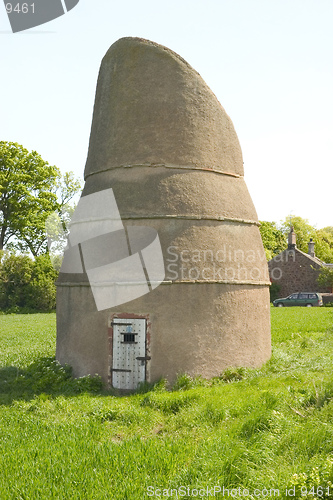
x=307, y=299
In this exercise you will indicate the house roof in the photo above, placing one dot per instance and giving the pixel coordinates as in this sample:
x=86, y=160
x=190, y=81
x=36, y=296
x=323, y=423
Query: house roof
x=314, y=259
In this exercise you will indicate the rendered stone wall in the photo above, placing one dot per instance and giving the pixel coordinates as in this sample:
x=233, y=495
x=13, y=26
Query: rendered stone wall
x=195, y=329
x=162, y=141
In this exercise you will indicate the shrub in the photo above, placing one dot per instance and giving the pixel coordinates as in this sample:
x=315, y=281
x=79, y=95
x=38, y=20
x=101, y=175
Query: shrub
x=26, y=283
x=48, y=376
x=15, y=277
x=325, y=278
x=274, y=290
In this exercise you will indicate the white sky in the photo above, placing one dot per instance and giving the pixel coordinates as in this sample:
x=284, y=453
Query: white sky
x=269, y=62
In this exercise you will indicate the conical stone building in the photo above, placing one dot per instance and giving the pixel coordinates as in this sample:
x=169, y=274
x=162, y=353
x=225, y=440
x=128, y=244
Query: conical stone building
x=164, y=165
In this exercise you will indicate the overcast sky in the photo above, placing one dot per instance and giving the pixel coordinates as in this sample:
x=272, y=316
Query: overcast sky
x=269, y=62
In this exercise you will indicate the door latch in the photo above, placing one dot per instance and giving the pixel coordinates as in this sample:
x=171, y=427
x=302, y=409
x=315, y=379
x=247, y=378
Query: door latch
x=143, y=359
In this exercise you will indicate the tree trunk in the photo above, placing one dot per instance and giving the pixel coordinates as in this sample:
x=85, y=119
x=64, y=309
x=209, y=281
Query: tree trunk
x=2, y=236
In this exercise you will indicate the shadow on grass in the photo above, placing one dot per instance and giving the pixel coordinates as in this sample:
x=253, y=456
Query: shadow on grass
x=45, y=375
x=48, y=376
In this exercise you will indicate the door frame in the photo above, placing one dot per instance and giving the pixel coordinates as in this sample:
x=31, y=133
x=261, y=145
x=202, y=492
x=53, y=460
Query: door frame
x=110, y=341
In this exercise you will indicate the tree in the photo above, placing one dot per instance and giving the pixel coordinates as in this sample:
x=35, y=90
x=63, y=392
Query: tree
x=67, y=187
x=27, y=283
x=324, y=244
x=15, y=277
x=26, y=191
x=323, y=238
x=304, y=231
x=30, y=190
x=328, y=229
x=325, y=278
x=273, y=239
x=34, y=238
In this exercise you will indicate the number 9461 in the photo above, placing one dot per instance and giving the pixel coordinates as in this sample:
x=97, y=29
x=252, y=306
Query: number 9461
x=320, y=491
x=23, y=8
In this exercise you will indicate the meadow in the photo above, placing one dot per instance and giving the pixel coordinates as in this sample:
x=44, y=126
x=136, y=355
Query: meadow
x=265, y=433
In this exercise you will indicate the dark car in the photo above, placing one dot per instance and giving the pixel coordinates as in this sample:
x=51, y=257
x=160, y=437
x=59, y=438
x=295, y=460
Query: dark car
x=307, y=299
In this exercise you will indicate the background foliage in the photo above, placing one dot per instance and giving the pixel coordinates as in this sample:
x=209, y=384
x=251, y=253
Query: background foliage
x=30, y=191
x=27, y=284
x=275, y=236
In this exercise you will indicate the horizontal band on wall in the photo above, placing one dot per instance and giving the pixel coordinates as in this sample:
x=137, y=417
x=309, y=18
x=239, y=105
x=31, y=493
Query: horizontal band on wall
x=183, y=282
x=169, y=216
x=165, y=165
x=218, y=282
x=191, y=217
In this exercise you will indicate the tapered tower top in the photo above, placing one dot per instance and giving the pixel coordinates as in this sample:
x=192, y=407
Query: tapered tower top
x=153, y=108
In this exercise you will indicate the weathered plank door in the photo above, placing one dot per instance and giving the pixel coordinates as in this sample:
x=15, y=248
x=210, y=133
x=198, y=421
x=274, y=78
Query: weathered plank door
x=129, y=353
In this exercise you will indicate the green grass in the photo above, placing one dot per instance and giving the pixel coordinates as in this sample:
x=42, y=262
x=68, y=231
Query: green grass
x=268, y=428
x=25, y=337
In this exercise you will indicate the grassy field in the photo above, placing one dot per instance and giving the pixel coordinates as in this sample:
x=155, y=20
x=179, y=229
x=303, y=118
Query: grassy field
x=255, y=433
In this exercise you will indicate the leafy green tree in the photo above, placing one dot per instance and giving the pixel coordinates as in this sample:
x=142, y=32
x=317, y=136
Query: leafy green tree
x=35, y=237
x=273, y=239
x=27, y=283
x=323, y=238
x=275, y=236
x=329, y=230
x=67, y=187
x=324, y=244
x=26, y=191
x=30, y=190
x=325, y=278
x=304, y=231
x=42, y=296
x=15, y=277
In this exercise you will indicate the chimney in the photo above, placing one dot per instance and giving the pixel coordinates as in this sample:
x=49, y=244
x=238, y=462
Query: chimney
x=291, y=239
x=311, y=248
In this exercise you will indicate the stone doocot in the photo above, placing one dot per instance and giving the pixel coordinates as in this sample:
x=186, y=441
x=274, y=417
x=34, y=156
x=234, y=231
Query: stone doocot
x=162, y=141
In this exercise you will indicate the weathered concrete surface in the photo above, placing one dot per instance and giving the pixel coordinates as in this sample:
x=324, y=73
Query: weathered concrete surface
x=164, y=144
x=175, y=192
x=197, y=328
x=152, y=107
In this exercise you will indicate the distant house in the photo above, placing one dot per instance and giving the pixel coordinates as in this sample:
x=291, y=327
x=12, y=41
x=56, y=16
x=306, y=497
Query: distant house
x=296, y=271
